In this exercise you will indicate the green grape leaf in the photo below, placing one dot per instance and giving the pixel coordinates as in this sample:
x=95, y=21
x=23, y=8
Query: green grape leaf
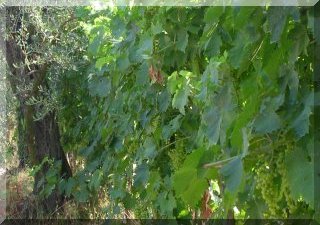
x=180, y=99
x=301, y=122
x=277, y=17
x=97, y=41
x=142, y=77
x=300, y=41
x=173, y=82
x=166, y=203
x=213, y=45
x=182, y=40
x=213, y=14
x=123, y=62
x=156, y=28
x=212, y=119
x=99, y=86
x=300, y=175
x=164, y=100
x=188, y=186
x=149, y=148
x=129, y=201
x=142, y=175
x=96, y=180
x=212, y=72
x=193, y=159
x=195, y=191
x=240, y=52
x=182, y=178
x=145, y=45
x=103, y=61
x=82, y=195
x=267, y=122
x=117, y=193
x=172, y=127
x=233, y=174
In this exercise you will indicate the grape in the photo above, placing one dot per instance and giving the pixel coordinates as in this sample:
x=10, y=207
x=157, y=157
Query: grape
x=177, y=155
x=275, y=194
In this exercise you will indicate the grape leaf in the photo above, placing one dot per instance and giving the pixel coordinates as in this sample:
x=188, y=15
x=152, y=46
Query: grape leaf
x=233, y=173
x=149, y=148
x=212, y=119
x=182, y=179
x=180, y=99
x=96, y=180
x=164, y=100
x=182, y=40
x=172, y=127
x=166, y=203
x=300, y=175
x=267, y=122
x=301, y=122
x=142, y=77
x=213, y=14
x=99, y=86
x=277, y=17
x=142, y=175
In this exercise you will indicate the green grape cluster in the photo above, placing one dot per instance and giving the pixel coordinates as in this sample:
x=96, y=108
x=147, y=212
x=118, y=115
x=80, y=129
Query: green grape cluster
x=272, y=182
x=285, y=192
x=177, y=155
x=265, y=183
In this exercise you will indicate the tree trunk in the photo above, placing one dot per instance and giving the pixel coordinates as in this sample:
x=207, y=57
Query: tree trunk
x=47, y=144
x=41, y=137
x=21, y=143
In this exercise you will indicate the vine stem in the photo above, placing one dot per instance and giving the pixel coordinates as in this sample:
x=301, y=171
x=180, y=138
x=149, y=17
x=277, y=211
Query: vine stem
x=168, y=46
x=218, y=164
x=256, y=51
x=172, y=143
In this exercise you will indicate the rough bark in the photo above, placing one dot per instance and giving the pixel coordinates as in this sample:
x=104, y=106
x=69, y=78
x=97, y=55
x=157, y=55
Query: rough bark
x=47, y=143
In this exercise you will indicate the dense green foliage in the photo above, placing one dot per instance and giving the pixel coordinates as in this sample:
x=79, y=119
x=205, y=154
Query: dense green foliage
x=168, y=103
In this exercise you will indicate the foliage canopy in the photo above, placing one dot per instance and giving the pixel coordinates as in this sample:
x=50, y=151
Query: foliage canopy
x=169, y=102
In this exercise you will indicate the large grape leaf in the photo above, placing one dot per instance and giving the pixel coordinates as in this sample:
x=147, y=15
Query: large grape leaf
x=99, y=86
x=233, y=173
x=166, y=202
x=142, y=77
x=182, y=179
x=300, y=41
x=267, y=122
x=164, y=100
x=195, y=191
x=213, y=14
x=83, y=195
x=190, y=182
x=182, y=40
x=173, y=82
x=301, y=123
x=180, y=98
x=123, y=62
x=300, y=175
x=96, y=180
x=240, y=52
x=213, y=45
x=172, y=127
x=212, y=119
x=96, y=42
x=142, y=175
x=149, y=148
x=277, y=17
